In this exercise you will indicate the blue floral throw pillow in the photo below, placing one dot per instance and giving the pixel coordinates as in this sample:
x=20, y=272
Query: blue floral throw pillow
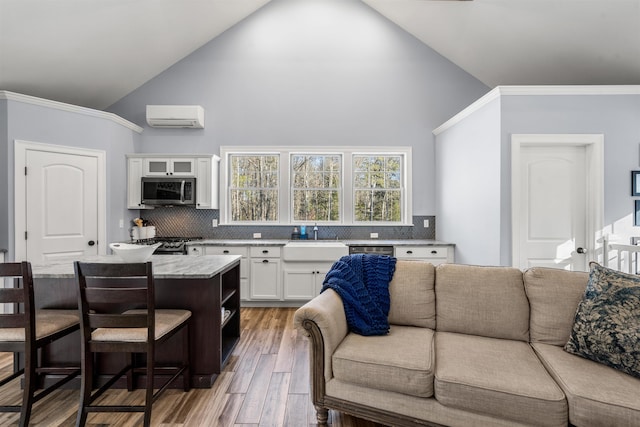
x=607, y=323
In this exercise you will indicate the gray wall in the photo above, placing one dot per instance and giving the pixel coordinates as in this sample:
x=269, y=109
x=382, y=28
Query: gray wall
x=468, y=176
x=34, y=123
x=615, y=116
x=473, y=142
x=309, y=73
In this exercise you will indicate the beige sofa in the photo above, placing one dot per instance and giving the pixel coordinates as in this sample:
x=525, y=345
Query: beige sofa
x=468, y=346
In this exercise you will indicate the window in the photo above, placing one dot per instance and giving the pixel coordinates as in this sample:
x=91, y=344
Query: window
x=253, y=190
x=326, y=185
x=316, y=184
x=377, y=188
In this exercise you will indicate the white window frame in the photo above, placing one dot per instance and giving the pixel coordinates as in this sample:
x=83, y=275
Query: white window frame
x=284, y=191
x=339, y=189
x=402, y=189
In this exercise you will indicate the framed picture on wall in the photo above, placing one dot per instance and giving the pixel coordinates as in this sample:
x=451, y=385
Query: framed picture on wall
x=635, y=183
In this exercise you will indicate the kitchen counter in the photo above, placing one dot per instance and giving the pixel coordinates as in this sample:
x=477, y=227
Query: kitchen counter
x=247, y=242
x=399, y=242
x=282, y=242
x=164, y=266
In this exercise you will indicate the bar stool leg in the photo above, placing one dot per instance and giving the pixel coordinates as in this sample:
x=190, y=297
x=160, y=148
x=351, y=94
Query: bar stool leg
x=186, y=375
x=130, y=358
x=85, y=388
x=149, y=393
x=30, y=382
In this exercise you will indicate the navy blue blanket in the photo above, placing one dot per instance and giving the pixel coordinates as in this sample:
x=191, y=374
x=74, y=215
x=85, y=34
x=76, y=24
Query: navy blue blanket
x=362, y=281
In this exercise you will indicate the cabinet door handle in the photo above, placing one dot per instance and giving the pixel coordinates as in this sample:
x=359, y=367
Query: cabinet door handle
x=434, y=252
x=265, y=251
x=265, y=260
x=409, y=252
x=225, y=251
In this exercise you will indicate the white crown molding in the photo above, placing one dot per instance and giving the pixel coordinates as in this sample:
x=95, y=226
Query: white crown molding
x=12, y=96
x=499, y=91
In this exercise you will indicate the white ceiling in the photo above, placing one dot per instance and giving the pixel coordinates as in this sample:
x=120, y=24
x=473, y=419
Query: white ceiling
x=92, y=53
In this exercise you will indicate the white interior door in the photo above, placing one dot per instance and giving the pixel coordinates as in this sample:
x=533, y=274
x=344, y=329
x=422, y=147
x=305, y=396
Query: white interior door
x=62, y=205
x=553, y=204
x=60, y=196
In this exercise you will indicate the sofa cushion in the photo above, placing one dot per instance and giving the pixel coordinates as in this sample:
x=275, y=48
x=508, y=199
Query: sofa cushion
x=485, y=301
x=597, y=394
x=607, y=323
x=412, y=293
x=553, y=295
x=401, y=361
x=503, y=378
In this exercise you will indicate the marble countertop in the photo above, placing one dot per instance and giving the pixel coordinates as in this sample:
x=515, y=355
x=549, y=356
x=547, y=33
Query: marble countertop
x=398, y=242
x=164, y=266
x=282, y=242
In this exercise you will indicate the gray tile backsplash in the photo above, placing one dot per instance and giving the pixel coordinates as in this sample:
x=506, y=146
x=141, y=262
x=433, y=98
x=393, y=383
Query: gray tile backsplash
x=191, y=222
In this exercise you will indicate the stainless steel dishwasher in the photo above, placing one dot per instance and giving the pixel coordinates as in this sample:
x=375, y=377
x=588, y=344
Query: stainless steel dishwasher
x=372, y=249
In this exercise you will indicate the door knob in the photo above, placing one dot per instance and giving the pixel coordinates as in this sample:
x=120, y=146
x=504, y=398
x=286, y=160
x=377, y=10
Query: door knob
x=91, y=243
x=581, y=250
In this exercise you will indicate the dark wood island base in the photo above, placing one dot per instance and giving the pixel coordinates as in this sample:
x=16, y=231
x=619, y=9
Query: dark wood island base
x=212, y=338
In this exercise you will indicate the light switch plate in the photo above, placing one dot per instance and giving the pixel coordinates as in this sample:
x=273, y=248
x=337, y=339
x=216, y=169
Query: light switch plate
x=426, y=223
x=373, y=235
x=257, y=235
x=214, y=222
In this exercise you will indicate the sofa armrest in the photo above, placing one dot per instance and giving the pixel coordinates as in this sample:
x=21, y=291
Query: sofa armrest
x=323, y=320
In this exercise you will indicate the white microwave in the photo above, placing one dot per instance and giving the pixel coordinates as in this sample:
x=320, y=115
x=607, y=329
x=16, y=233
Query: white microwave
x=169, y=191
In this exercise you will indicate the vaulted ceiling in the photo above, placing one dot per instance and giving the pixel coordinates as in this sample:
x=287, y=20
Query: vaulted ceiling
x=92, y=53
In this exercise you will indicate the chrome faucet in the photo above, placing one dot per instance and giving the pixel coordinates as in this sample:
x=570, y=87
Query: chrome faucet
x=315, y=231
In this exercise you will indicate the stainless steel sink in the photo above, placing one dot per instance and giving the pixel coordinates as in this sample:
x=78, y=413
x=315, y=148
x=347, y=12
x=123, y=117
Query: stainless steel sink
x=314, y=250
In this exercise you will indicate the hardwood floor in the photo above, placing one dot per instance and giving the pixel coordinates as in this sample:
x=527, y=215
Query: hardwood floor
x=265, y=383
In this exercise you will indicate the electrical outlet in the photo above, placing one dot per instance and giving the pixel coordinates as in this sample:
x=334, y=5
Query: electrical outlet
x=373, y=235
x=121, y=223
x=257, y=235
x=214, y=222
x=426, y=223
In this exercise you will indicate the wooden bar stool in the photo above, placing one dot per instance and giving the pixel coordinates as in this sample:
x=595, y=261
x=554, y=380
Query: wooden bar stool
x=104, y=289
x=28, y=330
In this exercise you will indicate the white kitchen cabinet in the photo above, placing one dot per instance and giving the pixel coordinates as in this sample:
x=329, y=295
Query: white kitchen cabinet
x=135, y=172
x=265, y=273
x=434, y=254
x=203, y=167
x=207, y=182
x=169, y=166
x=303, y=280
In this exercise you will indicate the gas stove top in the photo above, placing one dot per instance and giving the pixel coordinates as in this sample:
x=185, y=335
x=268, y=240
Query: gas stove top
x=170, y=245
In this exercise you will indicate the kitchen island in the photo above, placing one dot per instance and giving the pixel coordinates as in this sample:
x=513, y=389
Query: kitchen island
x=202, y=284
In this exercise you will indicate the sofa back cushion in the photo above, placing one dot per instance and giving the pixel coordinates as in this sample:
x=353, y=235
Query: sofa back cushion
x=486, y=301
x=412, y=294
x=554, y=296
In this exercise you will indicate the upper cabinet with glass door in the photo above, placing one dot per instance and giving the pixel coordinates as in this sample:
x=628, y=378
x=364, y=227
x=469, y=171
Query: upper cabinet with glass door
x=202, y=167
x=169, y=167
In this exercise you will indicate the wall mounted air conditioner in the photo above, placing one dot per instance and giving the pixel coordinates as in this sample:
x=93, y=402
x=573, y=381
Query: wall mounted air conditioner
x=175, y=116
